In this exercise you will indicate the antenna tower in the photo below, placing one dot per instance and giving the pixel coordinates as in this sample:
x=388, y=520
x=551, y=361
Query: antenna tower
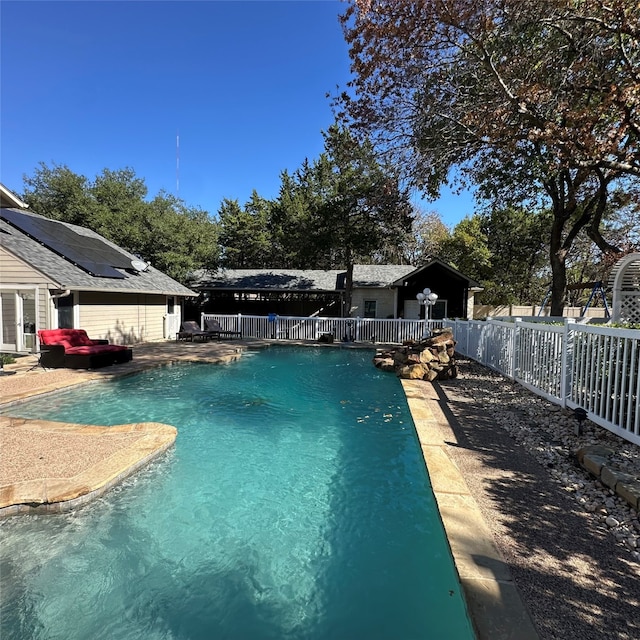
x=178, y=165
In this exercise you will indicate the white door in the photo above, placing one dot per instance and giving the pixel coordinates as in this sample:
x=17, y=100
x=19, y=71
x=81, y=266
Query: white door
x=8, y=321
x=18, y=319
x=411, y=310
x=27, y=321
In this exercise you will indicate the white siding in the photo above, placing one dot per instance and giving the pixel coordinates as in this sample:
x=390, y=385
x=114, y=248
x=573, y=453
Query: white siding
x=385, y=299
x=122, y=318
x=17, y=276
x=15, y=272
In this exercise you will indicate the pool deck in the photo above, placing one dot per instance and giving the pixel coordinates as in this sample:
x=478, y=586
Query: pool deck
x=52, y=467
x=493, y=600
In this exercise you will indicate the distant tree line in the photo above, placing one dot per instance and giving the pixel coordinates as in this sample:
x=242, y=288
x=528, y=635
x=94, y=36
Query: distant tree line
x=343, y=208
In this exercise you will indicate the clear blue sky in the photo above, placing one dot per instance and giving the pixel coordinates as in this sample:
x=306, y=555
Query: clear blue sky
x=96, y=85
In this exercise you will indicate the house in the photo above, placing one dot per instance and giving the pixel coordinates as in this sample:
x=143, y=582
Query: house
x=379, y=291
x=58, y=275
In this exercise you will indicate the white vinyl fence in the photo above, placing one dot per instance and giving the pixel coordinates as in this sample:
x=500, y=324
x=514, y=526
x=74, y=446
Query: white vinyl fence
x=374, y=330
x=593, y=367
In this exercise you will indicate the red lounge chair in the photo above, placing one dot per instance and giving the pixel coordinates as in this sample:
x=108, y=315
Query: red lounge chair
x=73, y=349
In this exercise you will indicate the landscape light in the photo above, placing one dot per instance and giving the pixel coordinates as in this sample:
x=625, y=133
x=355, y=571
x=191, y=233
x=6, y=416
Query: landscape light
x=580, y=415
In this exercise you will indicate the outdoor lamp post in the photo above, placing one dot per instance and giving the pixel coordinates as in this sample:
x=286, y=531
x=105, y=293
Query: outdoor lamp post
x=428, y=298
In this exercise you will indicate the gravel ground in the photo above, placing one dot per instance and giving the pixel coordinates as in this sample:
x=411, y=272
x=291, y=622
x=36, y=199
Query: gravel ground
x=572, y=545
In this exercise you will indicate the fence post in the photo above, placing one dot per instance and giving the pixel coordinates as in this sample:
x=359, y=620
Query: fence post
x=514, y=347
x=467, y=330
x=567, y=359
x=485, y=336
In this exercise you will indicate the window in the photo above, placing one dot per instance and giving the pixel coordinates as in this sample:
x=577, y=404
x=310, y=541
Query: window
x=65, y=312
x=370, y=308
x=439, y=310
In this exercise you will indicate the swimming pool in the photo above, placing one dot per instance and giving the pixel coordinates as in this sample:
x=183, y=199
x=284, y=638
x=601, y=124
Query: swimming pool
x=295, y=504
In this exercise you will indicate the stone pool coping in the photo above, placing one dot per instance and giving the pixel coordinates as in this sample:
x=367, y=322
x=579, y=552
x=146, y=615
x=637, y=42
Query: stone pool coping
x=117, y=452
x=492, y=599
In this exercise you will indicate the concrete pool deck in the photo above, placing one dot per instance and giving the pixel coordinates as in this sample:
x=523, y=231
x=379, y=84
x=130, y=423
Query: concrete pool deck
x=53, y=467
x=493, y=600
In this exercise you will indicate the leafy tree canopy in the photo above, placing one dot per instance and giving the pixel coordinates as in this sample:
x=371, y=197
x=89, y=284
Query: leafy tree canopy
x=173, y=237
x=244, y=233
x=532, y=101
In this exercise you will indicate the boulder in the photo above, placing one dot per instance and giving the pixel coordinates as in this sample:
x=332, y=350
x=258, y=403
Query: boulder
x=426, y=356
x=412, y=372
x=430, y=359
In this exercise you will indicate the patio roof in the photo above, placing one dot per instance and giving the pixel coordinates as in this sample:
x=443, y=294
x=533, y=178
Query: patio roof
x=303, y=280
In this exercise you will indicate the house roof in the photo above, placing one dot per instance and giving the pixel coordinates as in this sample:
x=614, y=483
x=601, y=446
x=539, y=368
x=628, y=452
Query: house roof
x=436, y=262
x=10, y=199
x=268, y=279
x=67, y=274
x=299, y=279
x=329, y=280
x=382, y=275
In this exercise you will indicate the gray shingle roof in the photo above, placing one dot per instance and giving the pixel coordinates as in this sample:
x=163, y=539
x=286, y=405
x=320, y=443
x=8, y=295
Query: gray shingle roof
x=383, y=275
x=271, y=279
x=299, y=279
x=69, y=276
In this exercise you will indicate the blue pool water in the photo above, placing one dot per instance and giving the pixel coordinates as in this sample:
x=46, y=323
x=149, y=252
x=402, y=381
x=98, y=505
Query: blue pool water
x=294, y=505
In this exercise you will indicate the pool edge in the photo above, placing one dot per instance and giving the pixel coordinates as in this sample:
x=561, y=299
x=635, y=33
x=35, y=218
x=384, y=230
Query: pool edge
x=493, y=602
x=81, y=483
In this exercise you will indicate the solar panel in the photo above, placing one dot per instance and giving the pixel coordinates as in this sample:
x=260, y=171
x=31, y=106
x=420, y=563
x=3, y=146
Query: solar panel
x=89, y=253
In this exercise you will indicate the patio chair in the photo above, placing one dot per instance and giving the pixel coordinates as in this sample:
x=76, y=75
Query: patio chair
x=215, y=330
x=190, y=330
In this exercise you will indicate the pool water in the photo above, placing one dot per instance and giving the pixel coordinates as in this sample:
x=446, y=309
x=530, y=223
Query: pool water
x=294, y=505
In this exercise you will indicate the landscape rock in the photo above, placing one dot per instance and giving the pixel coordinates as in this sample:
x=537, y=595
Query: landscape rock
x=429, y=359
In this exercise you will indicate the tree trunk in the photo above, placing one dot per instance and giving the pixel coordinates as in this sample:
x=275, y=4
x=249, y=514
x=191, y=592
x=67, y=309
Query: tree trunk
x=558, y=258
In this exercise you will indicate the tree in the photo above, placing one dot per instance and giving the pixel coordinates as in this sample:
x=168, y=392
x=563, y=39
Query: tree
x=510, y=267
x=518, y=258
x=119, y=204
x=58, y=193
x=467, y=249
x=244, y=235
x=529, y=100
x=175, y=238
x=363, y=207
x=292, y=223
x=178, y=239
x=427, y=237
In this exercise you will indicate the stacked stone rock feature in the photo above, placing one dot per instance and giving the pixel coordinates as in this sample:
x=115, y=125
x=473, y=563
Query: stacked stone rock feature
x=429, y=359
